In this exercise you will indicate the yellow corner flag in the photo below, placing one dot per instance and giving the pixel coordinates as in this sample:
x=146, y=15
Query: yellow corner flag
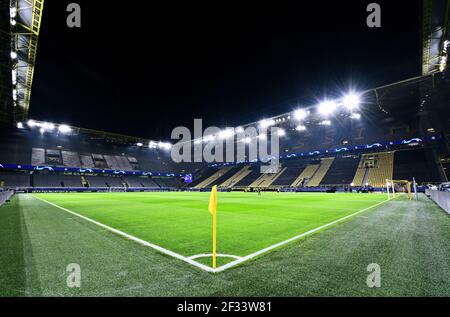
x=213, y=210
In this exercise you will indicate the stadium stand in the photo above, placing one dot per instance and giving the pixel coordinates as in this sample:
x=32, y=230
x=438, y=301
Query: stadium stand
x=14, y=179
x=342, y=170
x=70, y=159
x=414, y=163
x=266, y=179
x=230, y=173
x=46, y=180
x=305, y=175
x=325, y=164
x=293, y=168
x=374, y=169
x=213, y=177
x=236, y=178
x=255, y=172
x=104, y=181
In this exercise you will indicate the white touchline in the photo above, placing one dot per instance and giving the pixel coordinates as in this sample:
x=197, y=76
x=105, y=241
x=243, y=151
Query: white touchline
x=204, y=255
x=206, y=268
x=145, y=243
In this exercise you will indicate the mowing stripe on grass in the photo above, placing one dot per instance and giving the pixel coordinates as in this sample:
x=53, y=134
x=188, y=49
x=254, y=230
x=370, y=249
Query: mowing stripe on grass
x=140, y=241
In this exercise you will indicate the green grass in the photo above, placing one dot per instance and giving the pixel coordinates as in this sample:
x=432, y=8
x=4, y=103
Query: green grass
x=409, y=240
x=180, y=222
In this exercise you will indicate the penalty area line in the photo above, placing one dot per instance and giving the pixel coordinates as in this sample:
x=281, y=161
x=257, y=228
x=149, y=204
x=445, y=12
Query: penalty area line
x=140, y=241
x=279, y=244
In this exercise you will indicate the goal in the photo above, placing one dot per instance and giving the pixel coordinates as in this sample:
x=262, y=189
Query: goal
x=117, y=189
x=394, y=187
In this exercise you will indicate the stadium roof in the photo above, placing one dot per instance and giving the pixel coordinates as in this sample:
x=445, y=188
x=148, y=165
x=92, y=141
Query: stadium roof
x=19, y=28
x=435, y=19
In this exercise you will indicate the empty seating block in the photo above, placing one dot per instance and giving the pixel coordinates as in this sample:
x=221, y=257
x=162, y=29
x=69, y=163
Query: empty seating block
x=37, y=156
x=70, y=159
x=321, y=171
x=342, y=171
x=14, y=179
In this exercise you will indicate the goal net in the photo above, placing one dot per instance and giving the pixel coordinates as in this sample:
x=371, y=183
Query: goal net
x=117, y=189
x=395, y=187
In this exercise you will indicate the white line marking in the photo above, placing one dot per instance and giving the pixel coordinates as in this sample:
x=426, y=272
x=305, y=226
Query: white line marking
x=204, y=255
x=274, y=246
x=140, y=241
x=204, y=267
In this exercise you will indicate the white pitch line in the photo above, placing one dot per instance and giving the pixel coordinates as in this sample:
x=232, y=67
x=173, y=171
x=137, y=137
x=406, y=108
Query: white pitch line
x=140, y=241
x=204, y=255
x=274, y=246
x=199, y=265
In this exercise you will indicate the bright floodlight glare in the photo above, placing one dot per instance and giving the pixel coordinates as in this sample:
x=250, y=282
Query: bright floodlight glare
x=48, y=126
x=197, y=141
x=139, y=144
x=281, y=132
x=300, y=128
x=239, y=129
x=351, y=101
x=247, y=140
x=300, y=114
x=13, y=22
x=13, y=55
x=356, y=116
x=19, y=125
x=152, y=145
x=224, y=134
x=266, y=123
x=31, y=123
x=42, y=130
x=326, y=122
x=262, y=136
x=327, y=107
x=64, y=128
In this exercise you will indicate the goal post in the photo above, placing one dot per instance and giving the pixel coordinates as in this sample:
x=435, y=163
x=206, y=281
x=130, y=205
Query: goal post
x=114, y=189
x=393, y=187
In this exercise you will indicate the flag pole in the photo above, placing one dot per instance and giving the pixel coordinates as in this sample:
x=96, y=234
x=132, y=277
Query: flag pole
x=214, y=240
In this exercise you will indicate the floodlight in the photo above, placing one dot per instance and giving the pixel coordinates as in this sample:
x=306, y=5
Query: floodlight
x=13, y=22
x=224, y=134
x=281, y=132
x=325, y=122
x=262, y=136
x=247, y=140
x=138, y=144
x=12, y=12
x=355, y=115
x=31, y=123
x=64, y=128
x=152, y=145
x=48, y=126
x=266, y=123
x=42, y=130
x=327, y=107
x=19, y=125
x=13, y=55
x=239, y=130
x=197, y=141
x=300, y=114
x=300, y=128
x=351, y=101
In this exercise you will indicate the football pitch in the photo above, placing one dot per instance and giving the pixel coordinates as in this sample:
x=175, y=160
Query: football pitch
x=248, y=225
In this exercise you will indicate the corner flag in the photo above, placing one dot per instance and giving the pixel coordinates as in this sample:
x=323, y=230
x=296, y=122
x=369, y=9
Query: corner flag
x=213, y=210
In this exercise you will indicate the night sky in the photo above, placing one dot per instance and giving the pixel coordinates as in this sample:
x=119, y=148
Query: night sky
x=144, y=69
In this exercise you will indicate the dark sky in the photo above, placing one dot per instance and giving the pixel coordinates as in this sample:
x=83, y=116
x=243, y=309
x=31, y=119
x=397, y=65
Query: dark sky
x=146, y=68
